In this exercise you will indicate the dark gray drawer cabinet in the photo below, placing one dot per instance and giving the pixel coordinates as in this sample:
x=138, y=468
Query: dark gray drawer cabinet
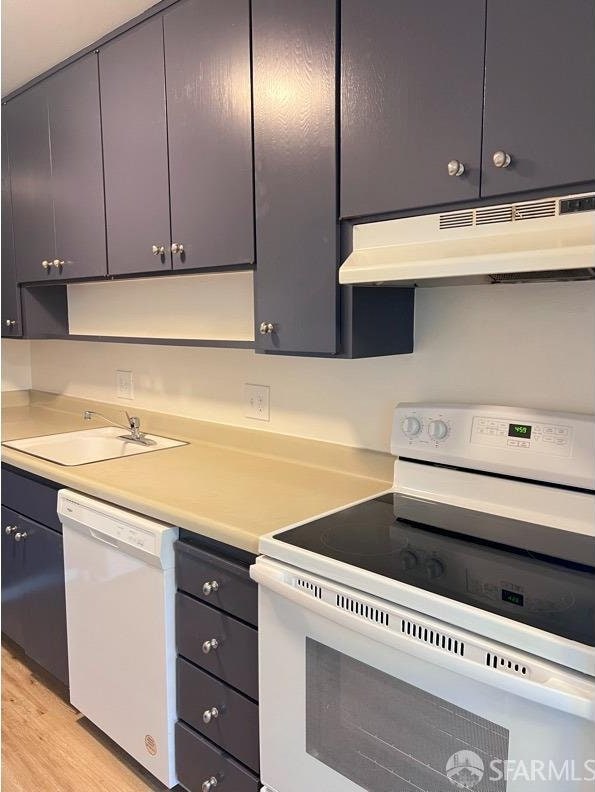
x=235, y=660
x=33, y=598
x=218, y=581
x=217, y=667
x=56, y=167
x=234, y=726
x=198, y=760
x=27, y=494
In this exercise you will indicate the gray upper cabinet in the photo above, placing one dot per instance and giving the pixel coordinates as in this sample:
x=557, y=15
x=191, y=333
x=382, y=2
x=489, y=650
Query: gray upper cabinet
x=539, y=94
x=132, y=76
x=54, y=139
x=11, y=302
x=294, y=65
x=26, y=120
x=77, y=169
x=411, y=103
x=207, y=63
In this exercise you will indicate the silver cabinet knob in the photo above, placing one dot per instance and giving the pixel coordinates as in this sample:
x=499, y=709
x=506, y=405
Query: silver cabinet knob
x=20, y=536
x=210, y=714
x=209, y=784
x=210, y=646
x=10, y=529
x=158, y=250
x=501, y=159
x=209, y=587
x=58, y=263
x=46, y=265
x=177, y=247
x=455, y=168
x=266, y=328
x=10, y=322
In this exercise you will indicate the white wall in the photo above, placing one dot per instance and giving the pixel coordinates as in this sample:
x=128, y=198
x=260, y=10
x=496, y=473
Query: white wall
x=526, y=345
x=16, y=365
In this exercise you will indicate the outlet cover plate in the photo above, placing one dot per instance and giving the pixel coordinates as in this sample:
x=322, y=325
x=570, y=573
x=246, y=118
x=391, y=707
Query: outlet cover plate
x=124, y=385
x=257, y=402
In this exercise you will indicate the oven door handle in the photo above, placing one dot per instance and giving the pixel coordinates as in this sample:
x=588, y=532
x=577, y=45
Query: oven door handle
x=556, y=689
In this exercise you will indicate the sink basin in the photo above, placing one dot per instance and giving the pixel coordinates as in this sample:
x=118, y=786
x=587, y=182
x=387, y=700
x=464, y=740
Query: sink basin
x=88, y=445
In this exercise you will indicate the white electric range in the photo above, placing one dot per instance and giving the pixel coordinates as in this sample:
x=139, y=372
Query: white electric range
x=441, y=635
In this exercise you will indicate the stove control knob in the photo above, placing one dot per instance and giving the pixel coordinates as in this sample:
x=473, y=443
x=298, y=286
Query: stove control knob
x=408, y=560
x=411, y=426
x=434, y=568
x=437, y=430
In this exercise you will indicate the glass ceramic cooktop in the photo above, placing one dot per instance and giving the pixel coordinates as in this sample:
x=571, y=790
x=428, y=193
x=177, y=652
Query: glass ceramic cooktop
x=527, y=583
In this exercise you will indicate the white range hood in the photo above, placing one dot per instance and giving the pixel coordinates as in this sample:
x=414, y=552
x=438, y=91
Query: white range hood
x=549, y=239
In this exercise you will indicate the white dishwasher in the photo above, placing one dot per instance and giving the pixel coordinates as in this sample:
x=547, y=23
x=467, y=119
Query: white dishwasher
x=120, y=592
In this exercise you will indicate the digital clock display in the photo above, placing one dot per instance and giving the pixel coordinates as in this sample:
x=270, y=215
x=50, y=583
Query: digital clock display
x=519, y=430
x=513, y=597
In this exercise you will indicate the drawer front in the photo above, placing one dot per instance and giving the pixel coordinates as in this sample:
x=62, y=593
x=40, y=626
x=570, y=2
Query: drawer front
x=234, y=592
x=233, y=727
x=235, y=660
x=31, y=498
x=197, y=761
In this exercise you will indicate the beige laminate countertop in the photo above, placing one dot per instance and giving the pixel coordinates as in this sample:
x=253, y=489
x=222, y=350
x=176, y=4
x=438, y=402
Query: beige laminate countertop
x=229, y=484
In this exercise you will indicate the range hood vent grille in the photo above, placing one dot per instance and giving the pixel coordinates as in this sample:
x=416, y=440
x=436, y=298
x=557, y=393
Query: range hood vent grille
x=584, y=273
x=505, y=213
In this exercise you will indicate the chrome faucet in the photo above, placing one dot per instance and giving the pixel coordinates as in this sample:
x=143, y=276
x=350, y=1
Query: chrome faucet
x=136, y=436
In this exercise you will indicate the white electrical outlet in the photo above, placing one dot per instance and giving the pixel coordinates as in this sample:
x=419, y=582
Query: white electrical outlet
x=257, y=399
x=124, y=385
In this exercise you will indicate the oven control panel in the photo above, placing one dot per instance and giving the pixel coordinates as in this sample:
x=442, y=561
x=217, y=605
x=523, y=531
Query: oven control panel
x=515, y=441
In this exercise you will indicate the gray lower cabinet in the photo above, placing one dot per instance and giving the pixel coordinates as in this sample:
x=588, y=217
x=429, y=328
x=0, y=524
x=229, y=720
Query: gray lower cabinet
x=11, y=300
x=33, y=597
x=411, y=103
x=539, y=94
x=217, y=669
x=56, y=165
x=207, y=65
x=132, y=74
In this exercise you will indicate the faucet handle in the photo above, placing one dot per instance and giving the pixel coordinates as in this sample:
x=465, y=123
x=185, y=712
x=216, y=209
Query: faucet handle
x=133, y=420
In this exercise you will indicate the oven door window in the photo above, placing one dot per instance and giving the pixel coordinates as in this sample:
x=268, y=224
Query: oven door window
x=386, y=735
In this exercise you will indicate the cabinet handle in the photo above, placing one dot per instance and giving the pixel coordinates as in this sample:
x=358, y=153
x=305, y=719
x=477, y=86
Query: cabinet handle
x=209, y=784
x=177, y=247
x=210, y=714
x=209, y=587
x=20, y=536
x=501, y=159
x=455, y=168
x=46, y=265
x=10, y=322
x=158, y=250
x=10, y=529
x=266, y=328
x=210, y=645
x=58, y=263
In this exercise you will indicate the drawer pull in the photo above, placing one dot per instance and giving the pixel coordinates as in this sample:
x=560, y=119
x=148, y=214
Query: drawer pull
x=211, y=644
x=209, y=587
x=20, y=536
x=10, y=529
x=209, y=784
x=210, y=714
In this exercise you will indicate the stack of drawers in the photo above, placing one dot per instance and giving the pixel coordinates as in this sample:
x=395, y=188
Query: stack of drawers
x=217, y=672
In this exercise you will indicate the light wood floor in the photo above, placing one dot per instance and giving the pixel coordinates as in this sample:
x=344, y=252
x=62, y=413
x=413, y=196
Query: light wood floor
x=47, y=746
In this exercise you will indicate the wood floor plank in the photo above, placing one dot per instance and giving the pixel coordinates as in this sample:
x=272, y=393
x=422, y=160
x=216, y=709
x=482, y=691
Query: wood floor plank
x=47, y=746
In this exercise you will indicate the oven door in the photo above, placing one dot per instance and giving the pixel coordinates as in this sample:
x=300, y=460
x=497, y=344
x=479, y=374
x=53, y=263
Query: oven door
x=356, y=693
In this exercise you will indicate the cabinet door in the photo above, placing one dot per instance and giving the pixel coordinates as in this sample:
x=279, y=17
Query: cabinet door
x=43, y=598
x=30, y=175
x=295, y=174
x=77, y=169
x=132, y=75
x=411, y=102
x=11, y=301
x=539, y=94
x=13, y=611
x=207, y=63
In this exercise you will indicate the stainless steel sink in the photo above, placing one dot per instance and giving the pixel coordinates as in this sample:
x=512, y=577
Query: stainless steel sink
x=88, y=445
